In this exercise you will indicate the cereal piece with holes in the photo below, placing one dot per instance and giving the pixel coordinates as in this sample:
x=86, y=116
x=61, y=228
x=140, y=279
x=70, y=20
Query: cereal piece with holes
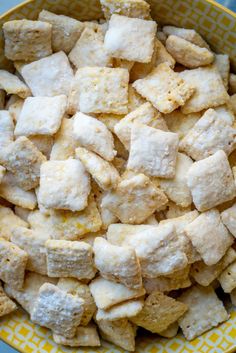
x=13, y=85
x=227, y=278
x=129, y=8
x=7, y=306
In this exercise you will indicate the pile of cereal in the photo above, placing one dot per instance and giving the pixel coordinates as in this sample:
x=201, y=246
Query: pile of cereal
x=117, y=153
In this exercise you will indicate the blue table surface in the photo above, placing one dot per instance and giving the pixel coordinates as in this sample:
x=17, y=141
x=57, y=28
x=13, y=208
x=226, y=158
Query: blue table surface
x=6, y=5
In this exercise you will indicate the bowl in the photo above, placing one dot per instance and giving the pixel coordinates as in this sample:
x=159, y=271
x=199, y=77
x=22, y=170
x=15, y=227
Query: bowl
x=218, y=26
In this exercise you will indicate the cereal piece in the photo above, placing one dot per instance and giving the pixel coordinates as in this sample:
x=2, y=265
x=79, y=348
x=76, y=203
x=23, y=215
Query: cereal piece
x=171, y=331
x=107, y=293
x=64, y=185
x=208, y=135
x=181, y=123
x=162, y=55
x=164, y=88
x=78, y=289
x=65, y=30
x=188, y=54
x=120, y=332
x=121, y=311
x=21, y=212
x=28, y=294
x=69, y=259
x=16, y=195
x=103, y=172
x=209, y=236
x=223, y=66
x=117, y=263
x=151, y=220
x=232, y=83
x=129, y=8
x=110, y=120
x=89, y=50
x=107, y=216
x=8, y=222
x=229, y=219
x=41, y=115
x=84, y=336
x=13, y=85
x=205, y=275
x=127, y=33
x=7, y=306
x=145, y=114
x=188, y=34
x=172, y=211
x=73, y=225
x=12, y=264
x=42, y=223
x=134, y=99
x=50, y=76
x=159, y=312
x=6, y=130
x=119, y=233
x=205, y=311
x=23, y=159
x=27, y=40
x=99, y=139
x=15, y=108
x=177, y=189
x=153, y=151
x=57, y=310
x=227, y=278
x=123, y=64
x=134, y=199
x=99, y=90
x=209, y=89
x=43, y=143
x=211, y=181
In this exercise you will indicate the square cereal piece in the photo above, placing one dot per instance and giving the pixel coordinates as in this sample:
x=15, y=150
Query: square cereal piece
x=117, y=263
x=27, y=295
x=164, y=88
x=120, y=311
x=209, y=91
x=159, y=312
x=120, y=332
x=227, y=278
x=135, y=199
x=84, y=336
x=153, y=151
x=41, y=115
x=57, y=310
x=205, y=311
x=64, y=185
x=8, y=222
x=129, y=8
x=222, y=64
x=13, y=85
x=65, y=30
x=81, y=290
x=69, y=259
x=232, y=83
x=99, y=139
x=99, y=90
x=228, y=217
x=6, y=130
x=50, y=76
x=7, y=306
x=11, y=192
x=107, y=293
x=23, y=160
x=209, y=236
x=27, y=40
x=210, y=134
x=188, y=54
x=188, y=34
x=181, y=123
x=103, y=172
x=127, y=33
x=211, y=181
x=144, y=114
x=176, y=188
x=13, y=262
x=33, y=243
x=89, y=50
x=205, y=275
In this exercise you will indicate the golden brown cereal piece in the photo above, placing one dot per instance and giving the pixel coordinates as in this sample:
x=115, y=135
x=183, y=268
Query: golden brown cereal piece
x=13, y=85
x=227, y=278
x=78, y=289
x=164, y=88
x=27, y=40
x=127, y=33
x=8, y=222
x=171, y=331
x=130, y=8
x=159, y=312
x=65, y=30
x=187, y=53
x=117, y=263
x=84, y=336
x=181, y=123
x=205, y=311
x=188, y=34
x=7, y=306
x=120, y=311
x=13, y=262
x=123, y=64
x=57, y=310
x=120, y=332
